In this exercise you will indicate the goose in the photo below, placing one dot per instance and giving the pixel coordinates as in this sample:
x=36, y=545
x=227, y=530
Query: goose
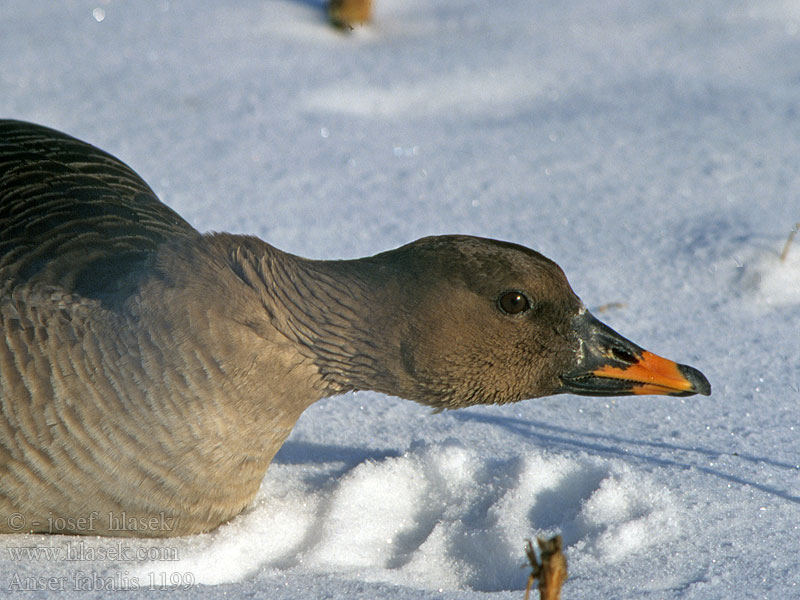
x=149, y=373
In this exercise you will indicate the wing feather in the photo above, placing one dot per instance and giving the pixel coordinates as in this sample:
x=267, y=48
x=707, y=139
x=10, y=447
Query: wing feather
x=73, y=216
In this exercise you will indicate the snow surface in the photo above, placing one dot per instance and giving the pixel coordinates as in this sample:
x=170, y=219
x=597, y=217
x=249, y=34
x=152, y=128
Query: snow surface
x=651, y=148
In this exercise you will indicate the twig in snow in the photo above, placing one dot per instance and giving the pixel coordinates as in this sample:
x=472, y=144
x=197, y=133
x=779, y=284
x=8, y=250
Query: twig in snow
x=789, y=241
x=346, y=13
x=551, y=571
x=608, y=306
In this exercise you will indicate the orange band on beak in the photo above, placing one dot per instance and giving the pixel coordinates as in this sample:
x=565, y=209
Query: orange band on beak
x=652, y=374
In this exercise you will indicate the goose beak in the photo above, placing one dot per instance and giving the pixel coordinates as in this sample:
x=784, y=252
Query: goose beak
x=607, y=364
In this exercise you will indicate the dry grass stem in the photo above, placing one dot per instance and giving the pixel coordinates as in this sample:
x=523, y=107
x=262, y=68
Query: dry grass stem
x=551, y=571
x=608, y=306
x=346, y=13
x=789, y=241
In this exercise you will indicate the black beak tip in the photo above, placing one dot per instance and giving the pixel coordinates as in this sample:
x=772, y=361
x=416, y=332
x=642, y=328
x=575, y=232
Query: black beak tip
x=700, y=384
x=611, y=365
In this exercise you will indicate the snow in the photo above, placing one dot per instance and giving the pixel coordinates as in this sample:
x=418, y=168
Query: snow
x=771, y=280
x=652, y=149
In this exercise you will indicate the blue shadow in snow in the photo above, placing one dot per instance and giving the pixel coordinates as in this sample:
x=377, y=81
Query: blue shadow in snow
x=564, y=437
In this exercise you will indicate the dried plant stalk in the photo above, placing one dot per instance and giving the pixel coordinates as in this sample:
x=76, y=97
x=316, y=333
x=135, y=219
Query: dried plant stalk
x=789, y=241
x=551, y=571
x=346, y=13
x=608, y=306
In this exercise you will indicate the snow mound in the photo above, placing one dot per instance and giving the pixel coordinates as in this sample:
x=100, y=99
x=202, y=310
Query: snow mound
x=438, y=517
x=772, y=281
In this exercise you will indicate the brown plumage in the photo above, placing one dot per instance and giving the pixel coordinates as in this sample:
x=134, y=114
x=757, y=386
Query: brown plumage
x=149, y=373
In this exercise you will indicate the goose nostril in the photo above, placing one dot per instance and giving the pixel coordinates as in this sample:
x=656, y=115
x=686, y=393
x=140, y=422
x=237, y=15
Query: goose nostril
x=624, y=356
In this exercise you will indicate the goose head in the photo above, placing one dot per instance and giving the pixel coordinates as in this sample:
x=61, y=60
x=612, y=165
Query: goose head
x=460, y=320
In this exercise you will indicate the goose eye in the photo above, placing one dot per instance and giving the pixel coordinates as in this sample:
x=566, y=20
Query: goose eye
x=513, y=303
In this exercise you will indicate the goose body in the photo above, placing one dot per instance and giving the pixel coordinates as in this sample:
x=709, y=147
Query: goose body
x=149, y=373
